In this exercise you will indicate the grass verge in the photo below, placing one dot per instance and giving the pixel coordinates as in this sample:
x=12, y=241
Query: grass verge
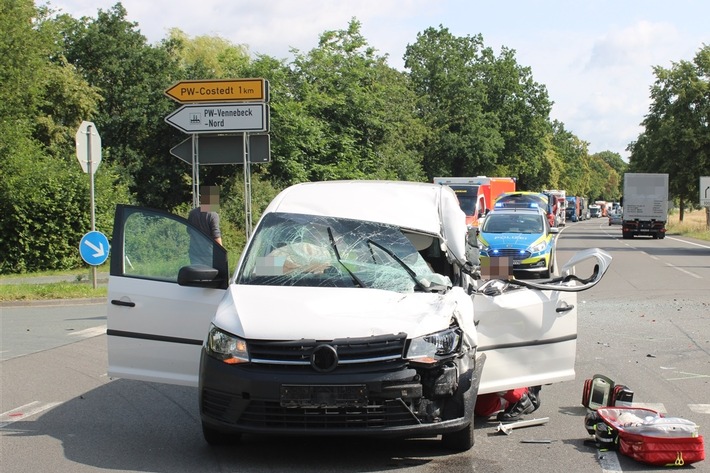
x=49, y=291
x=694, y=225
x=48, y=285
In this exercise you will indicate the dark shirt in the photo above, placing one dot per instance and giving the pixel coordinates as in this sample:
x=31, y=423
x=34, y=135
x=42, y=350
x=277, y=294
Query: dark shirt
x=208, y=223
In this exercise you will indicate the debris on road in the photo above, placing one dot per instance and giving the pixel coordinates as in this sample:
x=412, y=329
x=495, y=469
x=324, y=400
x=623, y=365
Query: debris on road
x=507, y=428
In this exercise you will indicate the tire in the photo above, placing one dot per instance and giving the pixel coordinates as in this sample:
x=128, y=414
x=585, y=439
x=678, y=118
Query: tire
x=461, y=440
x=216, y=437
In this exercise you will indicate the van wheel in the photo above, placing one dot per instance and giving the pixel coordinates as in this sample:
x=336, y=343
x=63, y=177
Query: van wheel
x=459, y=441
x=217, y=437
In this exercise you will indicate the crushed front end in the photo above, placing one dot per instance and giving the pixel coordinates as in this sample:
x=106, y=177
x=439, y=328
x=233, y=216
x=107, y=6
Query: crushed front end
x=353, y=386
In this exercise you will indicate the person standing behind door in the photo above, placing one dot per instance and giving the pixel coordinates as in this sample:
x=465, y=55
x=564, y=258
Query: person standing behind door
x=206, y=219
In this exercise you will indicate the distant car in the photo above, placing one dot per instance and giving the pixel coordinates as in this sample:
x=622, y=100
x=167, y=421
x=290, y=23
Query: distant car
x=595, y=211
x=615, y=218
x=522, y=234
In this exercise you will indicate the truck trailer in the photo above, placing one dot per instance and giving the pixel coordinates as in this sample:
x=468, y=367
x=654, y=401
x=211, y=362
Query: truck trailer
x=645, y=205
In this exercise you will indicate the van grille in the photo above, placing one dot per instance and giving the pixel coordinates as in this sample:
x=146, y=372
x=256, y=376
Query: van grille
x=365, y=353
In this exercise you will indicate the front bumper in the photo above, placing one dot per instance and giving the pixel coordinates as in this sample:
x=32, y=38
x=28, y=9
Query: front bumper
x=286, y=400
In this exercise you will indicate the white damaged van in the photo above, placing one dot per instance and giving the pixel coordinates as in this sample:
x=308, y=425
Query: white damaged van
x=356, y=308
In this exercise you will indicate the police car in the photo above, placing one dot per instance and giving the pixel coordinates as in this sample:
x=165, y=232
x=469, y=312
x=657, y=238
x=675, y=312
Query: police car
x=518, y=239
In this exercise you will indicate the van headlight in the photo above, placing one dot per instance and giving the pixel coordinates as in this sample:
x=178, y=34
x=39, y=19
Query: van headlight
x=226, y=347
x=435, y=347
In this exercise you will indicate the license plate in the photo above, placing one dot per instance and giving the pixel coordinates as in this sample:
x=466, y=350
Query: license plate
x=350, y=395
x=517, y=261
x=644, y=230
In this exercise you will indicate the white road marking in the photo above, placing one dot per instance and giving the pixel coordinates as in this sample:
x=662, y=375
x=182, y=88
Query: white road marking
x=89, y=332
x=684, y=271
x=688, y=376
x=688, y=242
x=23, y=412
x=700, y=408
x=608, y=461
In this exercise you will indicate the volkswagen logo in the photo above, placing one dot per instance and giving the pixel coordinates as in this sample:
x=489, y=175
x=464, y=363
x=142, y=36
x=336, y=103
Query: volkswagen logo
x=324, y=358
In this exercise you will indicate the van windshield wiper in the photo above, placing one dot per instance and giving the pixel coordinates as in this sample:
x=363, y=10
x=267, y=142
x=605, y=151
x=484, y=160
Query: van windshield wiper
x=357, y=280
x=404, y=265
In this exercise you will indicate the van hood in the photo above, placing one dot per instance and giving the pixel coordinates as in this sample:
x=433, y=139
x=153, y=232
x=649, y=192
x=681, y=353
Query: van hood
x=292, y=313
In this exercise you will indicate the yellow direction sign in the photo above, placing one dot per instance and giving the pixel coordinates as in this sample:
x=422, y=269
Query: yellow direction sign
x=219, y=90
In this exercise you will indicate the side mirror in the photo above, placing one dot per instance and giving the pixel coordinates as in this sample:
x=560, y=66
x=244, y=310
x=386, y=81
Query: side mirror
x=199, y=275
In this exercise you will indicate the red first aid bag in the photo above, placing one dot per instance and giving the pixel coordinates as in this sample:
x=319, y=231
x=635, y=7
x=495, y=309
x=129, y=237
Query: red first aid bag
x=648, y=437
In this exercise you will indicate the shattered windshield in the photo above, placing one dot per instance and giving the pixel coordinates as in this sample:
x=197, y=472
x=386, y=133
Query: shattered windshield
x=307, y=250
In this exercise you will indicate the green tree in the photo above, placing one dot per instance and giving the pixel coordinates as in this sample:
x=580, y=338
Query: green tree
x=113, y=56
x=617, y=164
x=351, y=117
x=44, y=199
x=604, y=180
x=676, y=139
x=464, y=139
x=573, y=153
x=207, y=57
x=486, y=115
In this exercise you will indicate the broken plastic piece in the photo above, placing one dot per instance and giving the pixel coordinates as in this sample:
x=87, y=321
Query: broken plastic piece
x=507, y=428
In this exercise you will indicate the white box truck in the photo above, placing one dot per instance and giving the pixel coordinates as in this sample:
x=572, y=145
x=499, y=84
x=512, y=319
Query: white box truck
x=645, y=205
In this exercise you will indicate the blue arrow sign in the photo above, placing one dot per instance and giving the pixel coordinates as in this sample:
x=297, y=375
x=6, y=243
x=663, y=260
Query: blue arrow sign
x=94, y=248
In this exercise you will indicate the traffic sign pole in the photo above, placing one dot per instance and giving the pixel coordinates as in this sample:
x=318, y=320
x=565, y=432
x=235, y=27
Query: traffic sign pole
x=94, y=282
x=195, y=171
x=247, y=186
x=88, y=151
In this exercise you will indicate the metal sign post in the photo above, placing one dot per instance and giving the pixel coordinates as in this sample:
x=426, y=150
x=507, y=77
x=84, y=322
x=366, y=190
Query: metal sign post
x=88, y=152
x=705, y=198
x=195, y=171
x=247, y=186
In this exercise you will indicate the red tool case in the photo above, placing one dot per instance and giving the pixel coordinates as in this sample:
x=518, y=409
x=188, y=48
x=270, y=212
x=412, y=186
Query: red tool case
x=648, y=437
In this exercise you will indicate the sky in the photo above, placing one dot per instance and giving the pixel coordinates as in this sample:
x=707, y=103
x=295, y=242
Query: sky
x=595, y=57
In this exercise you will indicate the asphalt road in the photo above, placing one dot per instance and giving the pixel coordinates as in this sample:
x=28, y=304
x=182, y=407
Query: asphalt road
x=644, y=325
